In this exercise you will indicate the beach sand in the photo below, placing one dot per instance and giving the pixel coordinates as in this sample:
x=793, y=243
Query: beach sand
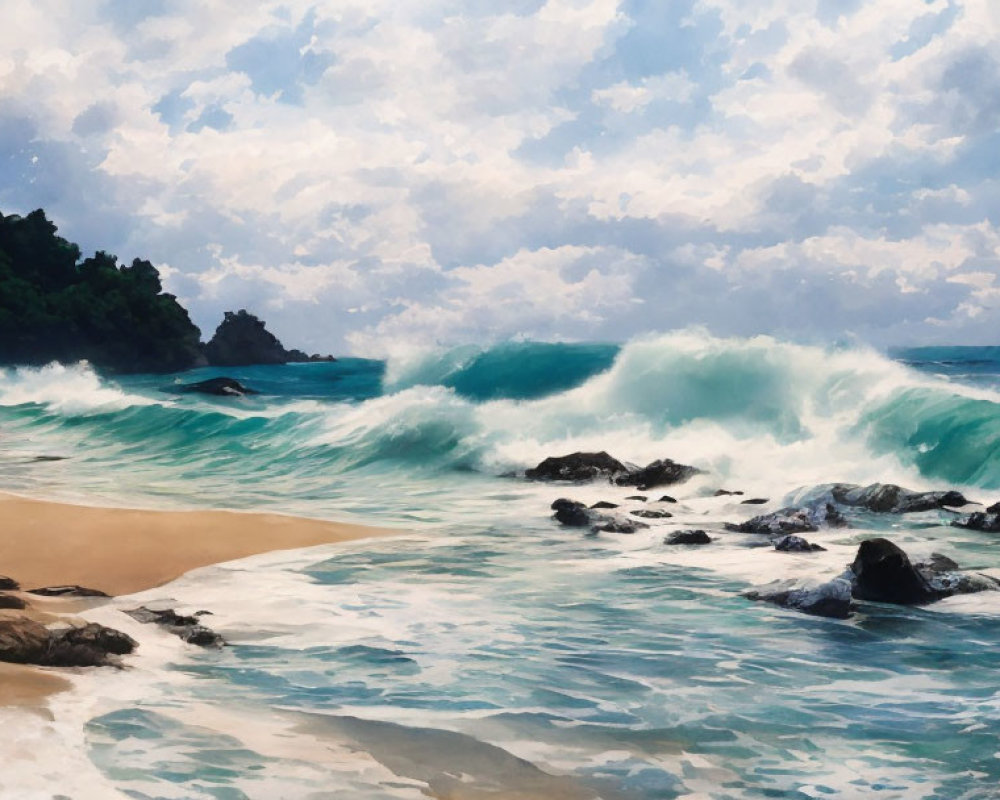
x=121, y=551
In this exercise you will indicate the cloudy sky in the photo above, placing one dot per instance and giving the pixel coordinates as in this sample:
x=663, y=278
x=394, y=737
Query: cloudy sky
x=364, y=173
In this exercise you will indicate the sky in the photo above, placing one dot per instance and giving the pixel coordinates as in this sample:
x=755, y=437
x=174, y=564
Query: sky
x=374, y=174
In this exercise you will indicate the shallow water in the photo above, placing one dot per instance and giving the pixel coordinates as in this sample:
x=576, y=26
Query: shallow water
x=486, y=641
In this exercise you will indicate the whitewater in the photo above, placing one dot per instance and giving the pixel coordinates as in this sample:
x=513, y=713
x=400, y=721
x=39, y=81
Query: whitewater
x=487, y=644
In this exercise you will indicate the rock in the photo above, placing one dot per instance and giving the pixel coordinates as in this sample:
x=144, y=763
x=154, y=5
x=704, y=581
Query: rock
x=8, y=584
x=883, y=573
x=649, y=513
x=667, y=499
x=796, y=544
x=11, y=601
x=790, y=520
x=615, y=525
x=242, y=339
x=640, y=497
x=943, y=575
x=604, y=504
x=663, y=472
x=987, y=522
x=578, y=467
x=754, y=501
x=89, y=646
x=25, y=641
x=830, y=599
x=573, y=513
x=220, y=387
x=993, y=509
x=725, y=493
x=688, y=537
x=188, y=628
x=67, y=591
x=893, y=499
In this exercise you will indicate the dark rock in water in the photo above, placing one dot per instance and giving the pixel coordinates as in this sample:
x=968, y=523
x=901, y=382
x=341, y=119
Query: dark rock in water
x=8, y=584
x=45, y=459
x=987, y=522
x=883, y=573
x=830, y=599
x=649, y=513
x=220, y=387
x=640, y=497
x=663, y=472
x=688, y=537
x=242, y=339
x=573, y=513
x=615, y=525
x=578, y=467
x=944, y=576
x=893, y=499
x=10, y=601
x=68, y=591
x=993, y=509
x=187, y=628
x=796, y=544
x=25, y=641
x=754, y=501
x=790, y=520
x=604, y=504
x=667, y=499
x=725, y=493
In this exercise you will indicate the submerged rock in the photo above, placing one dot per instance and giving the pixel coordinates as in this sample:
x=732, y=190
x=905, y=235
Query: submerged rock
x=754, y=501
x=8, y=584
x=68, y=591
x=987, y=522
x=893, y=499
x=639, y=497
x=578, y=467
x=663, y=472
x=806, y=519
x=796, y=544
x=688, y=537
x=24, y=641
x=618, y=525
x=188, y=628
x=604, y=504
x=650, y=513
x=12, y=602
x=830, y=599
x=667, y=499
x=945, y=577
x=219, y=387
x=725, y=493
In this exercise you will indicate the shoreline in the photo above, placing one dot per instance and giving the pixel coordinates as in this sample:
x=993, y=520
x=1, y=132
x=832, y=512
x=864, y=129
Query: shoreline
x=121, y=551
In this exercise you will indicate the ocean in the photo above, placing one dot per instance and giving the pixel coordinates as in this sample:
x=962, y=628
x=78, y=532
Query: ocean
x=489, y=652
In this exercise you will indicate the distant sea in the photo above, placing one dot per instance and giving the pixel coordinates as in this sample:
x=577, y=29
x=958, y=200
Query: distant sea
x=633, y=667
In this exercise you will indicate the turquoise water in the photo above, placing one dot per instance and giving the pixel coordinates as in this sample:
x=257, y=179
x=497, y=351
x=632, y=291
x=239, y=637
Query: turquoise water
x=610, y=666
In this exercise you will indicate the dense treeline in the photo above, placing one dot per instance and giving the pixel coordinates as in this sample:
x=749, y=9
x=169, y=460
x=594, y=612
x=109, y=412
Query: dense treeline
x=55, y=307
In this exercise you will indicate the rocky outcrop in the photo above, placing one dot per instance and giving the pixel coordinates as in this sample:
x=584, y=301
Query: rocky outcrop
x=581, y=467
x=24, y=641
x=188, y=628
x=688, y=537
x=830, y=599
x=806, y=519
x=893, y=499
x=796, y=544
x=220, y=387
x=242, y=339
x=578, y=468
x=663, y=472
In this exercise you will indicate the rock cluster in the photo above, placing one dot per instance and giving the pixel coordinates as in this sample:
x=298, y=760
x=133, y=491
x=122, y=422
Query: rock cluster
x=24, y=641
x=188, y=628
x=582, y=467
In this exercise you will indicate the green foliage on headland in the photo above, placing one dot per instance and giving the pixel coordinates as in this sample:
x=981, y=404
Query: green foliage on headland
x=55, y=307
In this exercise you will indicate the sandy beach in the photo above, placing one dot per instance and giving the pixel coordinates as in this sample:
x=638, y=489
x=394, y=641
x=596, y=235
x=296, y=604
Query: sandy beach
x=120, y=551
